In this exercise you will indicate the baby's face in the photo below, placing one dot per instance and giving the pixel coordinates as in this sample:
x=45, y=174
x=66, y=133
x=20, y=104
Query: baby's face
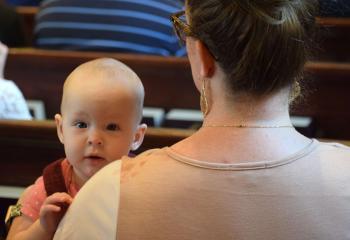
x=98, y=126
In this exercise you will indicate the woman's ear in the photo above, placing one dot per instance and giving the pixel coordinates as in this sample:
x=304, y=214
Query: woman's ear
x=59, y=121
x=206, y=60
x=139, y=136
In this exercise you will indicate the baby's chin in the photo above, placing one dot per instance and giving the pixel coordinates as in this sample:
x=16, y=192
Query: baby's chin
x=94, y=169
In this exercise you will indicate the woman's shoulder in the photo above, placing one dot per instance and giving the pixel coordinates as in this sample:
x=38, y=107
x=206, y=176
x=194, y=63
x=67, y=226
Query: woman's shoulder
x=151, y=152
x=334, y=145
x=135, y=165
x=148, y=154
x=334, y=150
x=126, y=165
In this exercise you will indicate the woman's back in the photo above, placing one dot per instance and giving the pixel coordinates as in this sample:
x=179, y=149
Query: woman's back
x=169, y=196
x=162, y=194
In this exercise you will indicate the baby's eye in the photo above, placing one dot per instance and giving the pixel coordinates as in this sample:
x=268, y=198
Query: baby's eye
x=81, y=124
x=113, y=127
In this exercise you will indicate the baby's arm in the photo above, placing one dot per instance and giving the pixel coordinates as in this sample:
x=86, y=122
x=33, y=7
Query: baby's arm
x=51, y=212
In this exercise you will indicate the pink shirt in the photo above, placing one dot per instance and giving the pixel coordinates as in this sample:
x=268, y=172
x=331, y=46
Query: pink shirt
x=35, y=195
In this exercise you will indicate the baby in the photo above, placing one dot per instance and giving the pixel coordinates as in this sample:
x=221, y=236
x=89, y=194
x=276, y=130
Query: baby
x=101, y=111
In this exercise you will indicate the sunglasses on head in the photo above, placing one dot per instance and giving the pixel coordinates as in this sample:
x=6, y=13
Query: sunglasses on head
x=183, y=30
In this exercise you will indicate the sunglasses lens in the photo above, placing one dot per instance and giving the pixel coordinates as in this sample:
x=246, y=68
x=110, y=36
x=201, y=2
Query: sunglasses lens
x=183, y=30
x=181, y=34
x=182, y=23
x=179, y=23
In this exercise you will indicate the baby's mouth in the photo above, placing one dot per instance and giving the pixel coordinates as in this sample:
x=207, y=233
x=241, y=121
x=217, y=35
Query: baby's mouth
x=94, y=158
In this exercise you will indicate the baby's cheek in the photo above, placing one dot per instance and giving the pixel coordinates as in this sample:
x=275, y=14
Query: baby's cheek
x=75, y=156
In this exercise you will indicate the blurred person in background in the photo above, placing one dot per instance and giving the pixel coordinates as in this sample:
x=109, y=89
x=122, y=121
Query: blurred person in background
x=11, y=31
x=12, y=102
x=114, y=26
x=23, y=2
x=334, y=8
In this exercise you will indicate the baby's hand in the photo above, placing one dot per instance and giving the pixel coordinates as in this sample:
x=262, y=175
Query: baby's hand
x=53, y=209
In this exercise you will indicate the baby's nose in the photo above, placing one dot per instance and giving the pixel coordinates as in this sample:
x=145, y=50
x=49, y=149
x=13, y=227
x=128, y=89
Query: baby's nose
x=95, y=139
x=95, y=142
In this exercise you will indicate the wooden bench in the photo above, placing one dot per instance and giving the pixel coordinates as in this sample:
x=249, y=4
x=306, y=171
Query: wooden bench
x=333, y=39
x=27, y=16
x=168, y=83
x=40, y=75
x=27, y=146
x=334, y=34
x=327, y=99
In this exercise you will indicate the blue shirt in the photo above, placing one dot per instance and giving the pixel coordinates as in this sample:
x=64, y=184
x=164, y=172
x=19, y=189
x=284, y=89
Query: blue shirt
x=334, y=8
x=23, y=2
x=137, y=26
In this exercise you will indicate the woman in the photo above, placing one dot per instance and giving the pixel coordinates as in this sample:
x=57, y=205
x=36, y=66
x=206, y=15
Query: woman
x=247, y=173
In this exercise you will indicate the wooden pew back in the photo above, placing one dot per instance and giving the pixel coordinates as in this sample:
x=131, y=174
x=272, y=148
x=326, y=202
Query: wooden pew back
x=28, y=146
x=168, y=84
x=27, y=17
x=327, y=98
x=333, y=39
x=40, y=74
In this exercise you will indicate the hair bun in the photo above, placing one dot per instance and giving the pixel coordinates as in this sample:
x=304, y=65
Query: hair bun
x=273, y=12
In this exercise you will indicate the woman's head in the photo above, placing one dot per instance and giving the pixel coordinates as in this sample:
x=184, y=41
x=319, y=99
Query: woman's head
x=261, y=45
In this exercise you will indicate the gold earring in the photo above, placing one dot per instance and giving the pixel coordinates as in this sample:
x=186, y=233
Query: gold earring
x=204, y=101
x=295, y=92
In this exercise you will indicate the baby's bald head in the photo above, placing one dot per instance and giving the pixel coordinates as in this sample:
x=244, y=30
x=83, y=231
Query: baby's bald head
x=99, y=78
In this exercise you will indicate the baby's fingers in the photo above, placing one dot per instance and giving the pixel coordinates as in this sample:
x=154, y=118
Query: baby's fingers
x=53, y=209
x=58, y=199
x=50, y=208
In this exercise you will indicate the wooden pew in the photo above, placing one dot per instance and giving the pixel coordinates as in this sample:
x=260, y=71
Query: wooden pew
x=334, y=34
x=40, y=75
x=27, y=16
x=333, y=39
x=27, y=146
x=168, y=83
x=327, y=99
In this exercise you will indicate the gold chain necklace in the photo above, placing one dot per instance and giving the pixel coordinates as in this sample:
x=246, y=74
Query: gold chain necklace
x=246, y=126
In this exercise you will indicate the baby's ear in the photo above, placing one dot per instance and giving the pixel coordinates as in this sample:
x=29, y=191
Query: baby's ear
x=139, y=135
x=59, y=122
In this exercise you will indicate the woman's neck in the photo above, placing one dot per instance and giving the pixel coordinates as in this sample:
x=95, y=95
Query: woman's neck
x=272, y=110
x=225, y=142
